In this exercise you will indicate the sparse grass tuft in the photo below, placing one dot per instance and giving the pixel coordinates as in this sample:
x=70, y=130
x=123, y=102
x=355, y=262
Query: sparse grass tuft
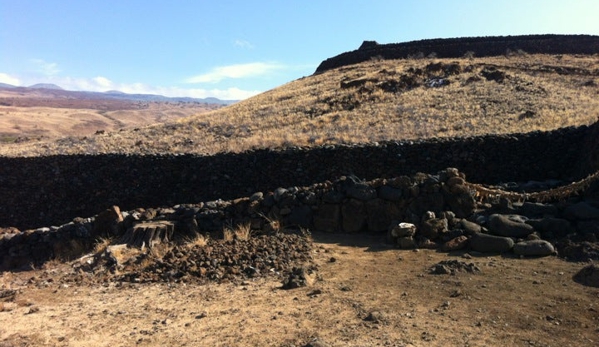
x=273, y=224
x=228, y=234
x=199, y=240
x=241, y=232
x=101, y=244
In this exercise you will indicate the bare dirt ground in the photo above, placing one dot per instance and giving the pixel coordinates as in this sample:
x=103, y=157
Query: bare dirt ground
x=365, y=294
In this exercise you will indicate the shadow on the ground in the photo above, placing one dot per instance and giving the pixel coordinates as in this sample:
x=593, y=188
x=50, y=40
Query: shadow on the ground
x=373, y=242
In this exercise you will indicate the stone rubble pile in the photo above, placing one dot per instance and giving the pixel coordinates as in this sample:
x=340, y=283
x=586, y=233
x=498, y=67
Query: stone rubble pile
x=217, y=260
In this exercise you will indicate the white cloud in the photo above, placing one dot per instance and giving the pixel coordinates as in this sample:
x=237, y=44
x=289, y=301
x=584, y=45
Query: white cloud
x=103, y=82
x=243, y=44
x=45, y=68
x=235, y=71
x=6, y=78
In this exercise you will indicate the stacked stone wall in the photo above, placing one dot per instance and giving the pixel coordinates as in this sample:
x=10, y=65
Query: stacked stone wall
x=52, y=190
x=459, y=47
x=345, y=205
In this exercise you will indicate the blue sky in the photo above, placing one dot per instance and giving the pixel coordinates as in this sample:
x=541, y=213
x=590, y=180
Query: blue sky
x=236, y=49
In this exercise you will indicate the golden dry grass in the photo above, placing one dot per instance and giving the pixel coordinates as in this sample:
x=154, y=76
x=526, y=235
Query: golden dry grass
x=316, y=110
x=49, y=122
x=241, y=232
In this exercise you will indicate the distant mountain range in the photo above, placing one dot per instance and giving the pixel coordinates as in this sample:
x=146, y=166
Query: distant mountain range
x=52, y=90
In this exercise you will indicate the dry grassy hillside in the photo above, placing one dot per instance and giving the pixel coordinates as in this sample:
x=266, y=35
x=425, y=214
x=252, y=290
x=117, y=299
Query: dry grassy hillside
x=31, y=119
x=375, y=101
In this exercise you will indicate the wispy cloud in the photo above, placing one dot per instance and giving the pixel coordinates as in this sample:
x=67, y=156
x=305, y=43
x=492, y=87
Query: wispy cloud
x=44, y=67
x=243, y=44
x=8, y=79
x=220, y=73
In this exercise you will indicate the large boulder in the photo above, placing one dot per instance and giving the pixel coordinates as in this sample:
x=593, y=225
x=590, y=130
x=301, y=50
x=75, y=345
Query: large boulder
x=486, y=243
x=509, y=225
x=108, y=223
x=432, y=228
x=389, y=193
x=534, y=248
x=455, y=244
x=380, y=215
x=535, y=209
x=353, y=214
x=327, y=218
x=460, y=199
x=581, y=211
x=301, y=216
x=469, y=227
x=402, y=230
x=554, y=227
x=361, y=192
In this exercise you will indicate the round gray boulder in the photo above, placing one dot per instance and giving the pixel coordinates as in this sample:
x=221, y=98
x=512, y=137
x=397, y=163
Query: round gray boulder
x=534, y=248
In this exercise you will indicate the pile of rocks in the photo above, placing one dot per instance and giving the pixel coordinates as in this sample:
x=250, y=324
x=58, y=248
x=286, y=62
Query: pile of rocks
x=277, y=255
x=570, y=229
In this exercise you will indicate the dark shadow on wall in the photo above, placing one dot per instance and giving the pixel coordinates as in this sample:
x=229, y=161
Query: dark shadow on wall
x=53, y=190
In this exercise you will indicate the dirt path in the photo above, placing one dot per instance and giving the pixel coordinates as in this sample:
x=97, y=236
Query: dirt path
x=366, y=294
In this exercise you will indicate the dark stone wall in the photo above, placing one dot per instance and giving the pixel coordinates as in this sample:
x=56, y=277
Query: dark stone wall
x=457, y=47
x=53, y=190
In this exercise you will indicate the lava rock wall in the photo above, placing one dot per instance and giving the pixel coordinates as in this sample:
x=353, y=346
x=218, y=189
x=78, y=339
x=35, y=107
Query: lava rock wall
x=459, y=47
x=53, y=190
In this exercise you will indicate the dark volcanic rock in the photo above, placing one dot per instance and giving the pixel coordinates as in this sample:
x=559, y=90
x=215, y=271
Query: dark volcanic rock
x=588, y=276
x=107, y=223
x=298, y=277
x=534, y=248
x=451, y=267
x=486, y=243
x=459, y=47
x=578, y=251
x=509, y=225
